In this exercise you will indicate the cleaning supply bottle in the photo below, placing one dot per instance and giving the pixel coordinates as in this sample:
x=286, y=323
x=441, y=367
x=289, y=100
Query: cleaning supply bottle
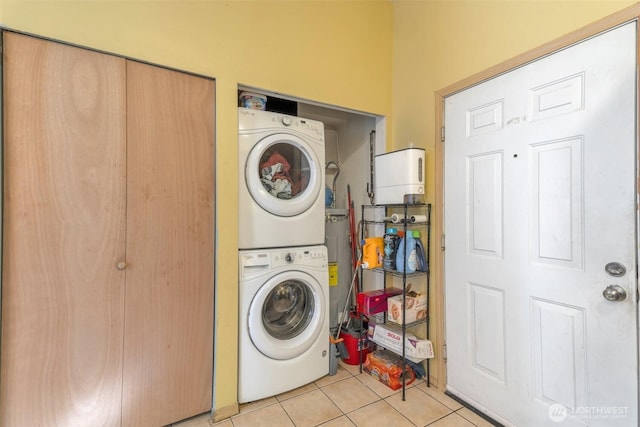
x=421, y=254
x=406, y=254
x=389, y=259
x=410, y=252
x=397, y=248
x=372, y=252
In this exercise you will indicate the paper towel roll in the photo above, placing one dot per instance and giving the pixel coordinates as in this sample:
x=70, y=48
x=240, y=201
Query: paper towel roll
x=396, y=218
x=418, y=218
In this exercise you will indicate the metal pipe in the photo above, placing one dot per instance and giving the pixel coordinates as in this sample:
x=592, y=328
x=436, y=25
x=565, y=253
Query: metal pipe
x=371, y=183
x=333, y=185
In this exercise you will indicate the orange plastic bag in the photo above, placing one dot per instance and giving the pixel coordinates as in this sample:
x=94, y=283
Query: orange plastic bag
x=386, y=367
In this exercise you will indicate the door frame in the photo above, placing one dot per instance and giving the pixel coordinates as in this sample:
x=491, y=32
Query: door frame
x=628, y=14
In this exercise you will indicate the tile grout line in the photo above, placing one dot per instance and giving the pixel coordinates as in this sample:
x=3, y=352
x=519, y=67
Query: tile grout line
x=379, y=397
x=346, y=414
x=329, y=397
x=386, y=403
x=463, y=417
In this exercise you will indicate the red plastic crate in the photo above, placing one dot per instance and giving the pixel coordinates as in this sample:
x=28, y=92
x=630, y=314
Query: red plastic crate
x=373, y=302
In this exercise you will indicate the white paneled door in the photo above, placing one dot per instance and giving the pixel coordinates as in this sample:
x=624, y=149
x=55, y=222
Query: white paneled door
x=541, y=242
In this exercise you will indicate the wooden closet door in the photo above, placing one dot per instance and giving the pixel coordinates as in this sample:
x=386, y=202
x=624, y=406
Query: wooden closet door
x=168, y=356
x=64, y=231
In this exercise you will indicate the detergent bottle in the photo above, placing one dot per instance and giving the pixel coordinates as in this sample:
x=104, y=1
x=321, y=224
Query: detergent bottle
x=406, y=254
x=372, y=252
x=400, y=255
x=421, y=254
x=390, y=245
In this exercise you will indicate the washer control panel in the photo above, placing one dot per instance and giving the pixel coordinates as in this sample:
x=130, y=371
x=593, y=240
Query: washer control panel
x=310, y=256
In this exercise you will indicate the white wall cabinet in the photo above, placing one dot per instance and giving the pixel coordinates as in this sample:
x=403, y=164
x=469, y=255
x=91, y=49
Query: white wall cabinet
x=108, y=239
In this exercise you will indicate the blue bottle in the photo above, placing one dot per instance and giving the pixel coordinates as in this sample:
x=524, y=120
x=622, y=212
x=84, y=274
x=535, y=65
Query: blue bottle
x=421, y=254
x=407, y=256
x=400, y=255
x=390, y=244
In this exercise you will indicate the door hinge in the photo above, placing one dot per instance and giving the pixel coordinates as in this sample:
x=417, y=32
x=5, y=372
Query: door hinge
x=444, y=353
x=442, y=241
x=442, y=134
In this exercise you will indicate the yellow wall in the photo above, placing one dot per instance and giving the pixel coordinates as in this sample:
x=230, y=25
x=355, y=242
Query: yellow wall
x=438, y=43
x=335, y=52
x=332, y=52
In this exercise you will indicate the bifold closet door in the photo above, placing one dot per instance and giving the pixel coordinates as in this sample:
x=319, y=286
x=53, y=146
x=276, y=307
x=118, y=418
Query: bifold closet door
x=108, y=237
x=168, y=352
x=64, y=235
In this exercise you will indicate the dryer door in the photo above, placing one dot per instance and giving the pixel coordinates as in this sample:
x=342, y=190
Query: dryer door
x=283, y=174
x=286, y=315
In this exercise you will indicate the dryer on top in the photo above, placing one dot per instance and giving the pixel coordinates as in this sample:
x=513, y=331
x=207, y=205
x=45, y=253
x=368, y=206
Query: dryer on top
x=281, y=180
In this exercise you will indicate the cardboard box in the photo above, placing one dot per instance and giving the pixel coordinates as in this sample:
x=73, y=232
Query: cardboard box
x=390, y=338
x=416, y=309
x=373, y=302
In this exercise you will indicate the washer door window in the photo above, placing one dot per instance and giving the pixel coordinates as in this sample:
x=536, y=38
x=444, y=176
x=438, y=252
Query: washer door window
x=286, y=315
x=283, y=175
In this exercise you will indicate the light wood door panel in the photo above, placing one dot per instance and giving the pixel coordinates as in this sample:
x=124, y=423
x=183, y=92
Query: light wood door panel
x=169, y=298
x=64, y=233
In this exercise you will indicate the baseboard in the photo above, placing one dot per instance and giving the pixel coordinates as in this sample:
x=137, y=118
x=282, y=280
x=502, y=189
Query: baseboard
x=226, y=412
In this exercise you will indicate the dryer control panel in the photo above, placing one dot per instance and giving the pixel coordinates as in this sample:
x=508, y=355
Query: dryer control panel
x=252, y=120
x=307, y=126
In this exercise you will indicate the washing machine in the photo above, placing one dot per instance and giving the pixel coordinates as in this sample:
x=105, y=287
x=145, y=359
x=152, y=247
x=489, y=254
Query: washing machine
x=284, y=320
x=281, y=180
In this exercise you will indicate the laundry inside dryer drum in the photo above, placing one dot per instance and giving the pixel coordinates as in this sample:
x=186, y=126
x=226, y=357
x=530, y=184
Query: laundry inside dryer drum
x=284, y=170
x=288, y=309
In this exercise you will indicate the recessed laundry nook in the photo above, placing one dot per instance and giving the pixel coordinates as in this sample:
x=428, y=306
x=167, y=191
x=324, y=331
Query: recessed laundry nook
x=301, y=310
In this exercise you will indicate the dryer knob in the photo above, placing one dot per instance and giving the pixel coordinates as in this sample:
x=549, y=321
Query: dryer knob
x=286, y=121
x=288, y=257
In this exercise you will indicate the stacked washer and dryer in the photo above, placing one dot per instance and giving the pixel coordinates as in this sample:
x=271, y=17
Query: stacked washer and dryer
x=283, y=265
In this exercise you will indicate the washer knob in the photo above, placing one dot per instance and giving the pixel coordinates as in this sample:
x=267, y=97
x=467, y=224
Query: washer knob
x=286, y=121
x=288, y=257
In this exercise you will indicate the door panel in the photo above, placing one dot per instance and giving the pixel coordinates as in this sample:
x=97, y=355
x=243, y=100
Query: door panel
x=169, y=298
x=540, y=167
x=559, y=353
x=64, y=231
x=285, y=335
x=484, y=172
x=301, y=166
x=556, y=204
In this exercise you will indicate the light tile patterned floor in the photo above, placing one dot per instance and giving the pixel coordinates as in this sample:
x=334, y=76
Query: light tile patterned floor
x=350, y=399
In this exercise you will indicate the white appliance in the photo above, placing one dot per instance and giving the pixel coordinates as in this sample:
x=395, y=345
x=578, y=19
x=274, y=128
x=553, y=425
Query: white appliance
x=284, y=320
x=399, y=173
x=281, y=180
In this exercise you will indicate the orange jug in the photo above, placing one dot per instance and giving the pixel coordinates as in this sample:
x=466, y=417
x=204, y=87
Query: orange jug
x=373, y=252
